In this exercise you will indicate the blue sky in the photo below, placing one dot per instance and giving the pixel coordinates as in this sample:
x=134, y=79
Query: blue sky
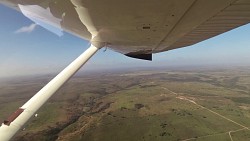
x=40, y=51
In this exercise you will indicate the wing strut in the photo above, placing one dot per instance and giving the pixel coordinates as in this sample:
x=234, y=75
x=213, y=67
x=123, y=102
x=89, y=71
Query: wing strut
x=17, y=120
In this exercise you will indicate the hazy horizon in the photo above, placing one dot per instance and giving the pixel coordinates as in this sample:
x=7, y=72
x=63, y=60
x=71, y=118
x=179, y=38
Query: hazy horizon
x=127, y=69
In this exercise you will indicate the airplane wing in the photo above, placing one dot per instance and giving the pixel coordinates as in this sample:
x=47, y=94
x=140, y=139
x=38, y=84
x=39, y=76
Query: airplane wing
x=136, y=28
x=139, y=27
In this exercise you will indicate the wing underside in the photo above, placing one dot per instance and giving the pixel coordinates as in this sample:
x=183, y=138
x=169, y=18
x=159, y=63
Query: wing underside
x=141, y=27
x=233, y=16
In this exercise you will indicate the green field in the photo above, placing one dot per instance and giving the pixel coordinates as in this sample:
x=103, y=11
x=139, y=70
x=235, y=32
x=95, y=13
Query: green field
x=197, y=105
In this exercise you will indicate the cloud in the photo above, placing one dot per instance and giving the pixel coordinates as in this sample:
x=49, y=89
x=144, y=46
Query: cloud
x=26, y=29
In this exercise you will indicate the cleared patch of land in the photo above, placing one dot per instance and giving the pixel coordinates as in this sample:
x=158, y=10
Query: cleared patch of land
x=196, y=105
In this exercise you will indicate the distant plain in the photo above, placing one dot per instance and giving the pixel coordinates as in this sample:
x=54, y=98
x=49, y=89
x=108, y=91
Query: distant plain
x=138, y=105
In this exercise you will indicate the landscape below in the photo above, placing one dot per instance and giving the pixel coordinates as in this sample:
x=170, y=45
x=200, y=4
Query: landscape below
x=142, y=105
